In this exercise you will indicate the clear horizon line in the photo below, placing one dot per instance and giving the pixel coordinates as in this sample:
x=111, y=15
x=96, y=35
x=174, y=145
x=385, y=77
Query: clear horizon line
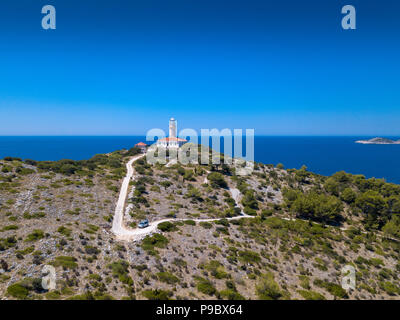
x=142, y=135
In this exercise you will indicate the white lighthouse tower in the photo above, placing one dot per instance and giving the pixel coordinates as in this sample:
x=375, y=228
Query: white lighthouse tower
x=172, y=128
x=171, y=142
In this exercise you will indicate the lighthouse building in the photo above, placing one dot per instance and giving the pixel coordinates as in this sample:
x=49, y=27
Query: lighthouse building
x=171, y=142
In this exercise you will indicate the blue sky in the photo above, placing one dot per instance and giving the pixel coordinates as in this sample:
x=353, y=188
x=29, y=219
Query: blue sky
x=122, y=67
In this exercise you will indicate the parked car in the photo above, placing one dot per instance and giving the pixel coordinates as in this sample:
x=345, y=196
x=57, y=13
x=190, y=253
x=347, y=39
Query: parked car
x=144, y=224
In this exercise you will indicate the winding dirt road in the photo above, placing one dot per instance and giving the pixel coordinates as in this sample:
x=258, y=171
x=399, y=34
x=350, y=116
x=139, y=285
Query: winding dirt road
x=125, y=233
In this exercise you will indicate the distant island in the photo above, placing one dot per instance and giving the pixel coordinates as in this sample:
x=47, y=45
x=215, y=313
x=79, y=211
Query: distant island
x=378, y=141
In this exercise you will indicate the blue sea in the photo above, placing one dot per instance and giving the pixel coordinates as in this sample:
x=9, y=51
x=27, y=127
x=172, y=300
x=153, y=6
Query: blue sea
x=323, y=155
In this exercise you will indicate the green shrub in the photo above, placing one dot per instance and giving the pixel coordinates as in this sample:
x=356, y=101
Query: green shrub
x=305, y=282
x=157, y=240
x=12, y=159
x=336, y=290
x=230, y=294
x=64, y=231
x=205, y=286
x=167, y=226
x=91, y=250
x=391, y=288
x=156, y=294
x=217, y=180
x=10, y=227
x=33, y=216
x=267, y=288
x=92, y=229
x=8, y=243
x=53, y=295
x=311, y=295
x=216, y=269
x=26, y=250
x=86, y=296
x=74, y=212
x=179, y=262
x=249, y=211
x=65, y=262
x=165, y=184
x=206, y=225
x=333, y=288
x=18, y=291
x=376, y=262
x=35, y=235
x=249, y=200
x=167, y=277
x=248, y=256
x=120, y=271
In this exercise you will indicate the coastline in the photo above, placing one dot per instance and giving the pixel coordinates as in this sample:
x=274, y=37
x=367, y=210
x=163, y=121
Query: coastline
x=322, y=155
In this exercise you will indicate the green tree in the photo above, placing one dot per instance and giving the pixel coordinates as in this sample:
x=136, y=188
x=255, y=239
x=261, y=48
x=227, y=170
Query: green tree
x=318, y=207
x=374, y=206
x=165, y=184
x=290, y=195
x=67, y=169
x=393, y=205
x=392, y=228
x=332, y=186
x=348, y=195
x=342, y=177
x=217, y=180
x=301, y=175
x=133, y=151
x=249, y=200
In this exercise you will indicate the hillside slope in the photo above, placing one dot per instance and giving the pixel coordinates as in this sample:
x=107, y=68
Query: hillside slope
x=305, y=229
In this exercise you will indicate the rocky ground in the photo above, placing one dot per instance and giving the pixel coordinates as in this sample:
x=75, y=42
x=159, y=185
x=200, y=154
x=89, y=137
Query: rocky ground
x=62, y=217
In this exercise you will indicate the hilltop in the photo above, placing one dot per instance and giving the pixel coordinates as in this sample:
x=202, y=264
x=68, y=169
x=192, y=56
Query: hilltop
x=303, y=229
